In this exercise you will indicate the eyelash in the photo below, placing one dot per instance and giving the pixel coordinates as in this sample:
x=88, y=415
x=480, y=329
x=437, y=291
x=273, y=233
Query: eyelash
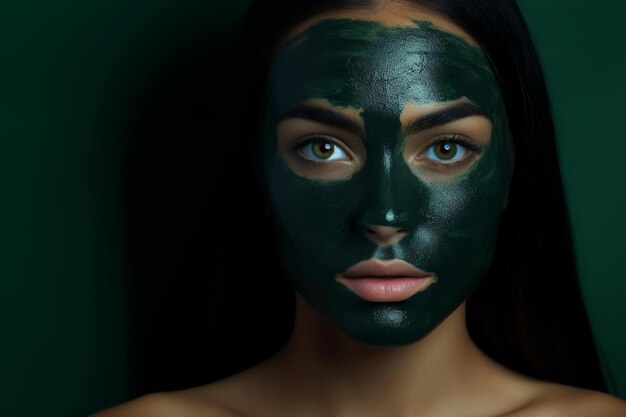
x=307, y=140
x=471, y=147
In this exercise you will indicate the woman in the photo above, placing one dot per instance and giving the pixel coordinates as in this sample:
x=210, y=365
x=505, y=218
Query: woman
x=405, y=155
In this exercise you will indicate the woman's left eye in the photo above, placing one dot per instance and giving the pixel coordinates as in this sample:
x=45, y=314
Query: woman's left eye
x=449, y=149
x=320, y=149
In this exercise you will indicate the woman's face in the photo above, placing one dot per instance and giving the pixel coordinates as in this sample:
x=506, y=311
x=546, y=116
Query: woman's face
x=386, y=163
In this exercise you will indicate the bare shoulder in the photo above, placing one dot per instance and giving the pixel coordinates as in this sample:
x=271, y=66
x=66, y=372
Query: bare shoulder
x=555, y=400
x=167, y=404
x=227, y=397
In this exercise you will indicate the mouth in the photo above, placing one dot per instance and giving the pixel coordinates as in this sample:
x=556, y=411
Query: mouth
x=385, y=281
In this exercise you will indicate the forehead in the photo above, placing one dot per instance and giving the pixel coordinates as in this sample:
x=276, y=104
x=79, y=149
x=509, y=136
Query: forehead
x=364, y=63
x=394, y=14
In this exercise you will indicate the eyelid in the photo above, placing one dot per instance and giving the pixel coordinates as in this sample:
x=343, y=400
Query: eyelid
x=473, y=150
x=471, y=145
x=305, y=140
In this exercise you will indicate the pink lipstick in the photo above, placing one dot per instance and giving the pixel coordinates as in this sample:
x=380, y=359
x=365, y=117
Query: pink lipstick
x=385, y=281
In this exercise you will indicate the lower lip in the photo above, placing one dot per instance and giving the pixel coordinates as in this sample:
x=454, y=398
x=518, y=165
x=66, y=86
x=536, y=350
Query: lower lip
x=386, y=289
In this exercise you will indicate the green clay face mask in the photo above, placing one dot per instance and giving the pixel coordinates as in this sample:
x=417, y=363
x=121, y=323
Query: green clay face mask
x=412, y=136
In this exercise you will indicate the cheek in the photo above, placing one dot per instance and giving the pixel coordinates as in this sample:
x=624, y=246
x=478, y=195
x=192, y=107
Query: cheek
x=308, y=210
x=460, y=239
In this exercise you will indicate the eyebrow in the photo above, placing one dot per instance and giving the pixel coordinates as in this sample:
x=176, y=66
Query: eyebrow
x=442, y=117
x=332, y=118
x=325, y=116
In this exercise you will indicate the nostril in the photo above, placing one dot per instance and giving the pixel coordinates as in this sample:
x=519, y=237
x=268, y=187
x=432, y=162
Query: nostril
x=384, y=235
x=384, y=232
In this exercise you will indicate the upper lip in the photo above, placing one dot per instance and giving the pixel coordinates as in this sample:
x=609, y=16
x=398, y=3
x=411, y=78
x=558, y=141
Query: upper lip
x=379, y=268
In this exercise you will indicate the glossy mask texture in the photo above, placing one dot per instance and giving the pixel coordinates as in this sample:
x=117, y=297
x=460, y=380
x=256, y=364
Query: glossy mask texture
x=319, y=224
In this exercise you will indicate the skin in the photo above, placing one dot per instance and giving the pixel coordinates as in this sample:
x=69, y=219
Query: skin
x=326, y=368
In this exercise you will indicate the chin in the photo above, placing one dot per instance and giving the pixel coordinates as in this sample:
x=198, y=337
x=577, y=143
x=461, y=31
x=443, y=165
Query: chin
x=388, y=325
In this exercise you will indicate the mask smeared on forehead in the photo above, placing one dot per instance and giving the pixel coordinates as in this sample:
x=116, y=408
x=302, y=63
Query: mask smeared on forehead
x=319, y=224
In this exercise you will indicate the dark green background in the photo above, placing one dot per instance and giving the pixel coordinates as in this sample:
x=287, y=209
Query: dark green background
x=111, y=118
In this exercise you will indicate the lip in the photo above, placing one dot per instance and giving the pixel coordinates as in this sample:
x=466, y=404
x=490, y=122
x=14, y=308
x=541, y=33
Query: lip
x=385, y=281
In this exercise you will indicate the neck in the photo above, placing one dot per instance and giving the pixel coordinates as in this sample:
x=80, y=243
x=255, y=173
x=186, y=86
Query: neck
x=349, y=378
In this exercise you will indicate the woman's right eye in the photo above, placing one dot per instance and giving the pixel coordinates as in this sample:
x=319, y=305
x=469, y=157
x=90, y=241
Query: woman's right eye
x=321, y=149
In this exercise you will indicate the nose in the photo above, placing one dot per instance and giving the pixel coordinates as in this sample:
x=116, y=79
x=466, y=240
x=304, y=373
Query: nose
x=384, y=235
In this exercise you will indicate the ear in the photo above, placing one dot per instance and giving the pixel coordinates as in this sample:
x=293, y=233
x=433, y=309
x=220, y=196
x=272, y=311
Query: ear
x=506, y=200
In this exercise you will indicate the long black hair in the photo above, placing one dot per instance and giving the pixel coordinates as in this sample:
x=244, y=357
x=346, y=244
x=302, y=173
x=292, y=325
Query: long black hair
x=528, y=313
